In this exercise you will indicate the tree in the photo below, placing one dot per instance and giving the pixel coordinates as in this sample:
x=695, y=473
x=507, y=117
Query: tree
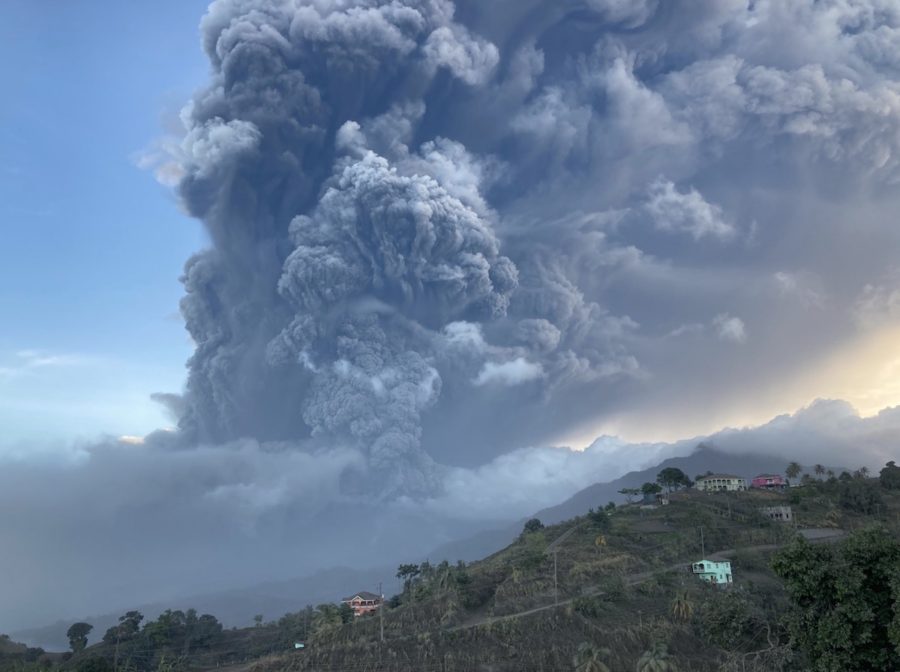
x=793, y=470
x=78, y=635
x=630, y=493
x=167, y=629
x=845, y=610
x=610, y=507
x=673, y=478
x=599, y=543
x=729, y=619
x=819, y=469
x=407, y=573
x=533, y=525
x=650, y=489
x=682, y=606
x=889, y=476
x=860, y=496
x=656, y=659
x=589, y=658
x=206, y=631
x=94, y=664
x=129, y=625
x=599, y=519
x=346, y=612
x=258, y=620
x=326, y=617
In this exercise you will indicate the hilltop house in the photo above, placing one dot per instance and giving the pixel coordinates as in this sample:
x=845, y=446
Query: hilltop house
x=782, y=514
x=718, y=573
x=364, y=602
x=769, y=482
x=720, y=482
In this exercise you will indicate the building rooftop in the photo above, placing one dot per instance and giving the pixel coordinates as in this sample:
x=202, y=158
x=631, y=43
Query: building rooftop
x=707, y=477
x=363, y=595
x=711, y=562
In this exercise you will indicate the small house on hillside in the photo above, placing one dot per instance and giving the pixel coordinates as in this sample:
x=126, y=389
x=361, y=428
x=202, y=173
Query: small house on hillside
x=718, y=573
x=782, y=514
x=769, y=482
x=364, y=602
x=720, y=482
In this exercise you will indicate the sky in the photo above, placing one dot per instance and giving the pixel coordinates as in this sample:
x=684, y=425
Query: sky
x=89, y=282
x=283, y=273
x=92, y=247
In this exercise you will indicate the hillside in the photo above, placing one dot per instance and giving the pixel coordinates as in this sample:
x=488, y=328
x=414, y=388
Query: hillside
x=703, y=459
x=506, y=612
x=235, y=608
x=611, y=583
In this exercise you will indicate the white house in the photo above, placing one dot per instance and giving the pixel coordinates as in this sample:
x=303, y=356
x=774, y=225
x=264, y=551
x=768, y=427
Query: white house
x=721, y=482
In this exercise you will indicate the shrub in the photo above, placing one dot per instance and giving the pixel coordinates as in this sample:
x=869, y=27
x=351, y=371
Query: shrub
x=860, y=497
x=726, y=619
x=532, y=526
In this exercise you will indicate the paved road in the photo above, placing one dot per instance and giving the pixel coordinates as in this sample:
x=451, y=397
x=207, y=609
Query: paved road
x=815, y=535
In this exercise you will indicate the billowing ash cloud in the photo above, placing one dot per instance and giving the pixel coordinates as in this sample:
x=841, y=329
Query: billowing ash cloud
x=444, y=230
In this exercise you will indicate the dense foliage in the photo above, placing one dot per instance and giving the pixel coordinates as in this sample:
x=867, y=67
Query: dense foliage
x=889, y=477
x=846, y=601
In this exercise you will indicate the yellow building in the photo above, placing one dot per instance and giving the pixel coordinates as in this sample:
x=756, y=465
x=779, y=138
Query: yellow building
x=721, y=482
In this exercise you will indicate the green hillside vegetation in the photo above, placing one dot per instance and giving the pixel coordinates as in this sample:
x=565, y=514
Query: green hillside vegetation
x=608, y=590
x=625, y=598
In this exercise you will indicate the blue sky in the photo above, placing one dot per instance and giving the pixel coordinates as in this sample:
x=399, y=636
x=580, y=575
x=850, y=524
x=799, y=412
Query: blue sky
x=92, y=245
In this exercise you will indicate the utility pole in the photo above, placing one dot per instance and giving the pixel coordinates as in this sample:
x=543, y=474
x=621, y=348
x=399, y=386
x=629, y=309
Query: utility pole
x=555, y=582
x=116, y=655
x=381, y=612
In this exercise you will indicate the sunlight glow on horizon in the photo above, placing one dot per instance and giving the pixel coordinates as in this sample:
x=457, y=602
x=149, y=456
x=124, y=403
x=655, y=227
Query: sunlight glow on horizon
x=865, y=373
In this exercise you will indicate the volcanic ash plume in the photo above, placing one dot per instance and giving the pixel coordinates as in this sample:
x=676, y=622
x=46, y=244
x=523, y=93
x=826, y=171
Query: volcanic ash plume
x=414, y=207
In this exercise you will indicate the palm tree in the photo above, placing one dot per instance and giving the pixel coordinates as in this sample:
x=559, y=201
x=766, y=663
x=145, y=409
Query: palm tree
x=657, y=659
x=793, y=470
x=589, y=658
x=819, y=469
x=864, y=472
x=599, y=543
x=682, y=606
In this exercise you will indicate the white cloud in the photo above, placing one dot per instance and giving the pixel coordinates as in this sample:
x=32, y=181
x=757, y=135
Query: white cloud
x=796, y=286
x=730, y=328
x=878, y=304
x=688, y=212
x=510, y=373
x=28, y=361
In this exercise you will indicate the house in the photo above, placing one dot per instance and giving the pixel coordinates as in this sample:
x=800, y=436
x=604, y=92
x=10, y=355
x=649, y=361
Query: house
x=720, y=482
x=769, y=482
x=783, y=514
x=649, y=499
x=364, y=602
x=718, y=573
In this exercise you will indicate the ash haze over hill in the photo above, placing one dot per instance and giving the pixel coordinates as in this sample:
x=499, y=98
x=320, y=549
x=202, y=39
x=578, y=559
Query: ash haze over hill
x=447, y=234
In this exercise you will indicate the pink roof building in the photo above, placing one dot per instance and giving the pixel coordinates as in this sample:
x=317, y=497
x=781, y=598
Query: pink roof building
x=769, y=482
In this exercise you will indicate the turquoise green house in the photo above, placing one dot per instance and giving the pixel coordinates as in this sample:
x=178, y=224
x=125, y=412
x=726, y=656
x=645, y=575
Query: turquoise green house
x=712, y=572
